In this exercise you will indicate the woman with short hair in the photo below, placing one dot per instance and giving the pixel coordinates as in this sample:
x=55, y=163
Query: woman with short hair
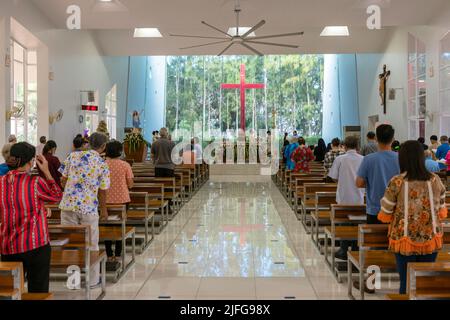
x=24, y=233
x=414, y=205
x=121, y=176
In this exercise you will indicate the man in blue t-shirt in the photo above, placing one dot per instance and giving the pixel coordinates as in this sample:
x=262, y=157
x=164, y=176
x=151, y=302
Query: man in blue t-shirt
x=374, y=174
x=442, y=151
x=376, y=170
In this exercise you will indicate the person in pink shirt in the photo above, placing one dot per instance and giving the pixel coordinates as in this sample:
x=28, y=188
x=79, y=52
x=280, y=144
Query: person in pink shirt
x=447, y=160
x=121, y=176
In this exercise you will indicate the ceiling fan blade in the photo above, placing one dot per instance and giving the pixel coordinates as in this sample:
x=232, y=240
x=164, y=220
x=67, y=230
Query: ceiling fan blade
x=251, y=49
x=217, y=29
x=228, y=47
x=199, y=37
x=272, y=44
x=204, y=45
x=259, y=25
x=279, y=35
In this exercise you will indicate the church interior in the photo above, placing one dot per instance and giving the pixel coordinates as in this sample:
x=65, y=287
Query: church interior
x=224, y=150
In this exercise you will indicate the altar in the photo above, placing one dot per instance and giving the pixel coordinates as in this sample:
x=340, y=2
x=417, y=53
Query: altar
x=239, y=173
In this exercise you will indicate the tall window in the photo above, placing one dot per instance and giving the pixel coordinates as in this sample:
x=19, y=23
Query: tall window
x=24, y=93
x=111, y=111
x=417, y=90
x=444, y=85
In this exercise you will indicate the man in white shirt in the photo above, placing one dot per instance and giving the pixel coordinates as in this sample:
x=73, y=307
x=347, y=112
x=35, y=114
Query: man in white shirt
x=344, y=171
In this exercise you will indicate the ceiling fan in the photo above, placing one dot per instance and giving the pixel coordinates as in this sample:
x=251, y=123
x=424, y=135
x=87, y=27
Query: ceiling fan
x=245, y=40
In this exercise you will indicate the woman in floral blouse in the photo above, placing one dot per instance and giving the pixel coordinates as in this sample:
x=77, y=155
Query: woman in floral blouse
x=414, y=205
x=302, y=156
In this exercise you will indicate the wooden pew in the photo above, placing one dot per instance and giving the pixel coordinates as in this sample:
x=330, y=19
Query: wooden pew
x=373, y=246
x=11, y=281
x=156, y=202
x=343, y=228
x=108, y=230
x=173, y=191
x=293, y=184
x=139, y=214
x=321, y=214
x=298, y=189
x=77, y=253
x=309, y=200
x=426, y=281
x=117, y=230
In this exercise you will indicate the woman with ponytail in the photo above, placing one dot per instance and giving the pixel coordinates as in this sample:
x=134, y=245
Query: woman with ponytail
x=24, y=231
x=54, y=164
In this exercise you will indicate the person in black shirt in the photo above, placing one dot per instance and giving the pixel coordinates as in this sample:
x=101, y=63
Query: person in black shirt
x=320, y=150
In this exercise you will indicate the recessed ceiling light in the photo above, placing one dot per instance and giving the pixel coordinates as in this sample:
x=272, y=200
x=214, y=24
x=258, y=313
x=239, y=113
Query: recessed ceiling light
x=242, y=30
x=147, y=33
x=335, y=31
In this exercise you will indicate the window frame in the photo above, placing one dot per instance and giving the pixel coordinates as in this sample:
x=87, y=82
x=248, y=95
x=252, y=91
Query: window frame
x=14, y=122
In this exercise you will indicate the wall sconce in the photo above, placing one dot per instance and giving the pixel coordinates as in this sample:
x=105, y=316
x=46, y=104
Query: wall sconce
x=51, y=76
x=431, y=70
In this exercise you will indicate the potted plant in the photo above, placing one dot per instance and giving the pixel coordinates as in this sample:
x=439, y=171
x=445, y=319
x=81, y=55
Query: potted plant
x=135, y=146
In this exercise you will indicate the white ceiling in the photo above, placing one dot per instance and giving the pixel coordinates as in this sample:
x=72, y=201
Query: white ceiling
x=113, y=24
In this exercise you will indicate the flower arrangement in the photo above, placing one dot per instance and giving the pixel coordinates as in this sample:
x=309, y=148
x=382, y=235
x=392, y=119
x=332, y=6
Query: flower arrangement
x=134, y=140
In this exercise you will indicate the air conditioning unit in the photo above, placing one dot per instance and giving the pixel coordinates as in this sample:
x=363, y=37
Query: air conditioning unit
x=352, y=131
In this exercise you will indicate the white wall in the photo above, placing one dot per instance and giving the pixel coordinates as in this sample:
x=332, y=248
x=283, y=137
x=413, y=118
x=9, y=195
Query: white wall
x=395, y=56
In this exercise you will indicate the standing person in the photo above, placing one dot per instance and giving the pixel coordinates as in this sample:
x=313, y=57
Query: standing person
x=421, y=140
x=285, y=144
x=290, y=165
x=413, y=204
x=40, y=147
x=162, y=155
x=376, y=170
x=333, y=153
x=121, y=176
x=77, y=143
x=320, y=150
x=24, y=231
x=53, y=162
x=85, y=176
x=344, y=171
x=434, y=143
x=198, y=151
x=430, y=164
x=12, y=139
x=374, y=174
x=395, y=146
x=371, y=146
x=442, y=151
x=4, y=169
x=302, y=156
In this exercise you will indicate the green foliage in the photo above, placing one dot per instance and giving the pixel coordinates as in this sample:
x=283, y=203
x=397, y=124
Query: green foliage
x=293, y=94
x=134, y=141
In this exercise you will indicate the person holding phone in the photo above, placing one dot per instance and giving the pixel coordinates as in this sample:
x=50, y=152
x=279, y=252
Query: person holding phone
x=24, y=233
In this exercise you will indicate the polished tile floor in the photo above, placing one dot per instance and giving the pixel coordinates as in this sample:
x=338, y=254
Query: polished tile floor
x=232, y=241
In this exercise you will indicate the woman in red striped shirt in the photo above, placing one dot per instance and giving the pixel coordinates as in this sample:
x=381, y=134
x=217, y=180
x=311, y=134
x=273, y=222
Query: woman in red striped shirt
x=24, y=230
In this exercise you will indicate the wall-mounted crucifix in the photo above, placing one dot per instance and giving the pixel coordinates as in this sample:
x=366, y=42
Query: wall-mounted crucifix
x=383, y=85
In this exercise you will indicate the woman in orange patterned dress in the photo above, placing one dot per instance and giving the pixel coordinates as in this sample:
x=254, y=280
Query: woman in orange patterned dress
x=414, y=205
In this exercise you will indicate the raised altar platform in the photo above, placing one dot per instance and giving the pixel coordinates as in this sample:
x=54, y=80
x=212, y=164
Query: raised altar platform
x=239, y=173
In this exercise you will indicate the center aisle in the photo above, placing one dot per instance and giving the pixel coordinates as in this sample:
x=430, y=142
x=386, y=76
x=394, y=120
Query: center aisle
x=230, y=242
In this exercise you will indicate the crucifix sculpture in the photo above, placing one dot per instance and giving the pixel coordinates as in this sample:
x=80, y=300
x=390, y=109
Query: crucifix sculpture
x=383, y=82
x=243, y=86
